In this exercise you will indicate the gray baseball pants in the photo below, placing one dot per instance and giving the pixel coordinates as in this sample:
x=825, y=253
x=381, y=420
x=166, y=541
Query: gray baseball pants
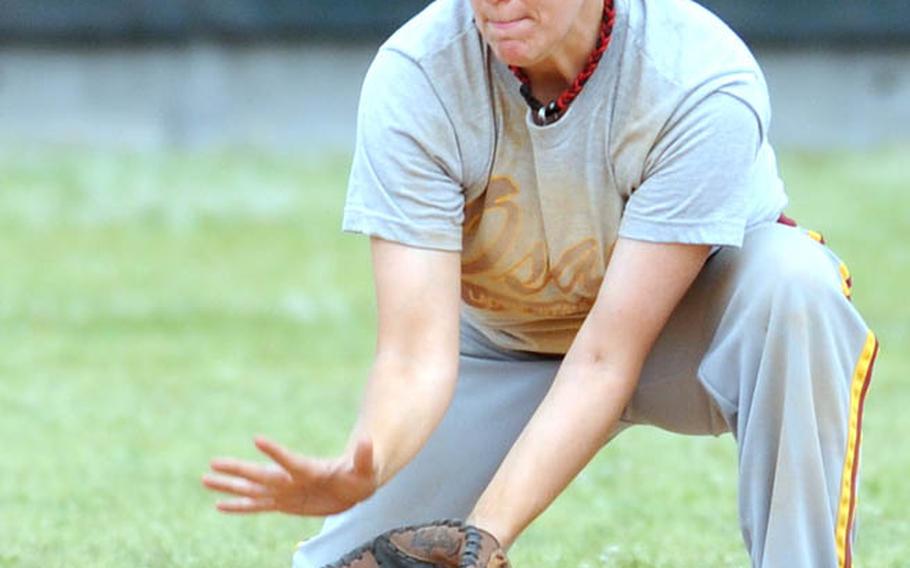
x=765, y=345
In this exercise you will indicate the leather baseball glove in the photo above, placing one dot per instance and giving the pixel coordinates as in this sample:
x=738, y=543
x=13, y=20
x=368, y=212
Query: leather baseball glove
x=445, y=544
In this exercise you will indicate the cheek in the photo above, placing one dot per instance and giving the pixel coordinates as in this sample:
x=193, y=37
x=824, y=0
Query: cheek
x=557, y=25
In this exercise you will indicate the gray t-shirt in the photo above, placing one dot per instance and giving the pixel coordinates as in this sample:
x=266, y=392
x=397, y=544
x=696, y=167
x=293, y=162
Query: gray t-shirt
x=667, y=142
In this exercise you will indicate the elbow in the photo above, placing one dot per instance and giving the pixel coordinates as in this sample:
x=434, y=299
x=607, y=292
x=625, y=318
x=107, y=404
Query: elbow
x=417, y=371
x=595, y=361
x=601, y=369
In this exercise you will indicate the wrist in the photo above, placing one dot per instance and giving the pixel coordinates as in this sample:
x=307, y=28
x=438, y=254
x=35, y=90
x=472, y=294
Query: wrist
x=493, y=525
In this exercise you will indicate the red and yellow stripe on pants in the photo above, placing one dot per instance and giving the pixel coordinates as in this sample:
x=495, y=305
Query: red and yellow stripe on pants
x=847, y=507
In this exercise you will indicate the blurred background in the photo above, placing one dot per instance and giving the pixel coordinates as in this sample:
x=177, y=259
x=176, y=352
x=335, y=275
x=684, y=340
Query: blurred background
x=284, y=74
x=173, y=278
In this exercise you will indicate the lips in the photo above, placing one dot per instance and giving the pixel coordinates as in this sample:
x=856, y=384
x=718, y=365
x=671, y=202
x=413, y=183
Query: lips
x=507, y=28
x=504, y=25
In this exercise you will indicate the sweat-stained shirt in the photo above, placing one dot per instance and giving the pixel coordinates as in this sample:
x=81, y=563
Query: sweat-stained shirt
x=667, y=142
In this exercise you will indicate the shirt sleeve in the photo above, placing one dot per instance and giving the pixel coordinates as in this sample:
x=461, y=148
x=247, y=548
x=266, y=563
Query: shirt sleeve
x=405, y=179
x=698, y=176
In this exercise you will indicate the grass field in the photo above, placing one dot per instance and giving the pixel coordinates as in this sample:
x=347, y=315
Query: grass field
x=159, y=310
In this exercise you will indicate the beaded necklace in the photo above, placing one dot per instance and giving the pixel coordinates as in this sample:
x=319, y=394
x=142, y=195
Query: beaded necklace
x=549, y=113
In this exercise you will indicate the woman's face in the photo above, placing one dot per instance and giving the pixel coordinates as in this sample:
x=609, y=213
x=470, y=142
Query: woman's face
x=525, y=32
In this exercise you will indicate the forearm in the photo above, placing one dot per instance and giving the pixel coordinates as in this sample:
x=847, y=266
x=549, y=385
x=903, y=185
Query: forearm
x=594, y=384
x=573, y=422
x=402, y=405
x=414, y=371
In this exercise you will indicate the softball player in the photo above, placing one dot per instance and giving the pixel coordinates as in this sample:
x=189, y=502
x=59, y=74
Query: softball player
x=576, y=223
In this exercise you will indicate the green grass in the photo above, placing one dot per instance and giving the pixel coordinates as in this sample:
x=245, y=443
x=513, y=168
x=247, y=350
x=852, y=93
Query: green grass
x=157, y=310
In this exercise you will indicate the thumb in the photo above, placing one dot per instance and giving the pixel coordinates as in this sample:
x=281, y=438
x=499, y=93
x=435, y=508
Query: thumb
x=363, y=457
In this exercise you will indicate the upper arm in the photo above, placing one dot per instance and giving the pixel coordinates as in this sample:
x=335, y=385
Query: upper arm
x=694, y=193
x=405, y=191
x=418, y=296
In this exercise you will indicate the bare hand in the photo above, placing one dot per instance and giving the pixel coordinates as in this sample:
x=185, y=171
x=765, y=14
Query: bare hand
x=294, y=484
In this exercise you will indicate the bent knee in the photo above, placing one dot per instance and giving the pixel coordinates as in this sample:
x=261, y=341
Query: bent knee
x=790, y=270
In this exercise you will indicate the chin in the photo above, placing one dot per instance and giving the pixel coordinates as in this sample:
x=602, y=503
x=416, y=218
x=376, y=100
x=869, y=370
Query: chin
x=513, y=53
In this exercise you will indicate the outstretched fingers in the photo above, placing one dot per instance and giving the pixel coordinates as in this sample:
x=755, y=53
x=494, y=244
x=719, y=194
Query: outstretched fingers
x=294, y=483
x=248, y=505
x=234, y=486
x=299, y=467
x=254, y=472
